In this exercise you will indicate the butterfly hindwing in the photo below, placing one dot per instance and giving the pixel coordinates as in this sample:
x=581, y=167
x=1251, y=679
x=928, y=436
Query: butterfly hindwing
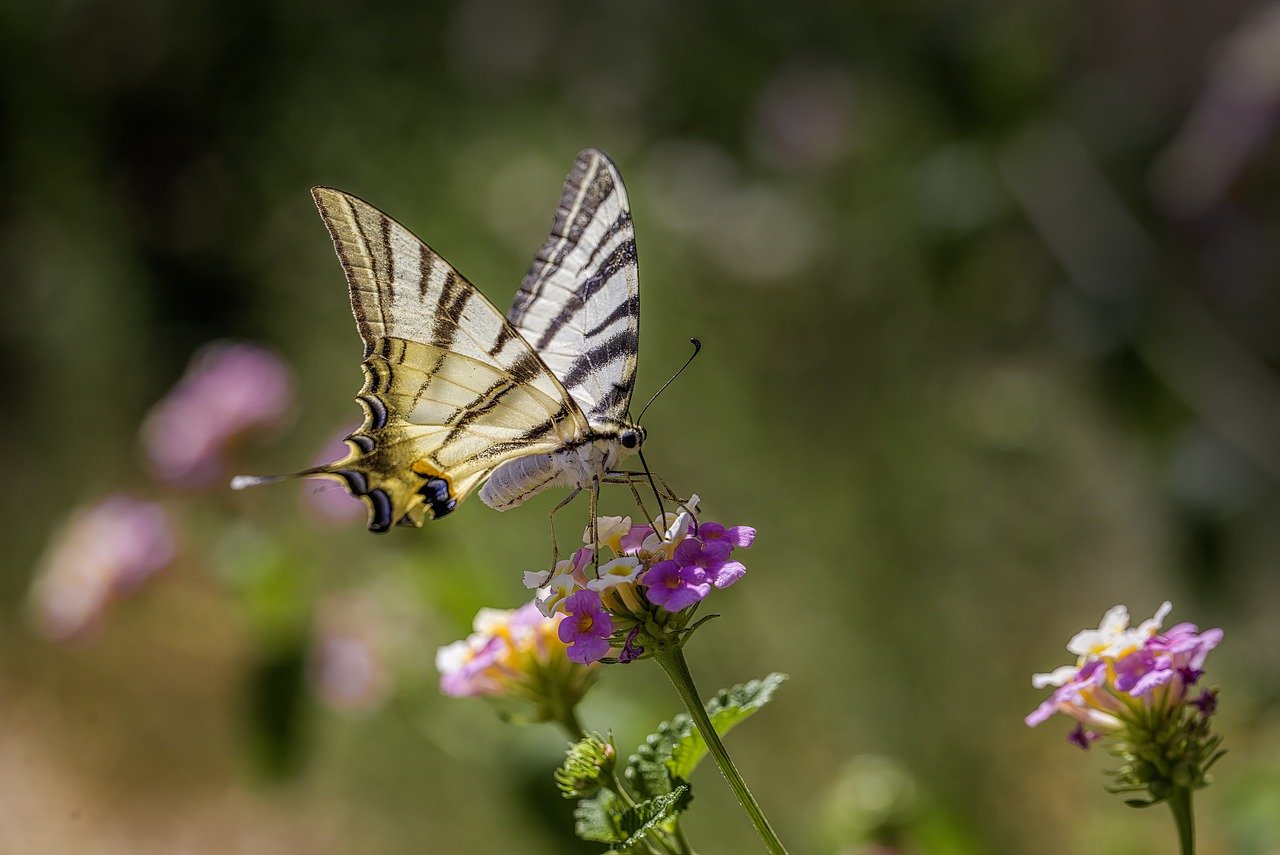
x=451, y=389
x=579, y=303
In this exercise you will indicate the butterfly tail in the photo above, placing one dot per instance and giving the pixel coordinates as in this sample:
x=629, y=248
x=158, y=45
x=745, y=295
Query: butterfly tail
x=244, y=482
x=377, y=495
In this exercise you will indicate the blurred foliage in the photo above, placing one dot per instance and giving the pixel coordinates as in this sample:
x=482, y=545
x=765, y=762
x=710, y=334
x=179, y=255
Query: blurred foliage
x=989, y=298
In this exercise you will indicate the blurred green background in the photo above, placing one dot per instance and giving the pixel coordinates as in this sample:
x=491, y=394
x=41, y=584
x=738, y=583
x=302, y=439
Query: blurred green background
x=988, y=292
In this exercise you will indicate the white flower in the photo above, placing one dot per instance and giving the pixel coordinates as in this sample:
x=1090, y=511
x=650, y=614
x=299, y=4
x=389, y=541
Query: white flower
x=555, y=592
x=611, y=530
x=619, y=571
x=491, y=621
x=675, y=527
x=453, y=656
x=1058, y=677
x=1114, y=638
x=536, y=578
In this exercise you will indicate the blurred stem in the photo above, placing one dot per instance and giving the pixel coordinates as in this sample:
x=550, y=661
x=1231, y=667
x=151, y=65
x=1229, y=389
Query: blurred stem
x=681, y=840
x=568, y=719
x=673, y=662
x=1180, y=804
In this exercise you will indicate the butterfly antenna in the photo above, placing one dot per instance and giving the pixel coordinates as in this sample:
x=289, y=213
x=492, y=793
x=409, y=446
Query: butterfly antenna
x=697, y=347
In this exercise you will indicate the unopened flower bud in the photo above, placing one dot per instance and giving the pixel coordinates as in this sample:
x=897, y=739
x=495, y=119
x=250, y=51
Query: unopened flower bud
x=587, y=764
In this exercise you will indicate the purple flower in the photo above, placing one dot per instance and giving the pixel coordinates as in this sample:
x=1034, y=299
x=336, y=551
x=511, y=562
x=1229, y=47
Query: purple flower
x=227, y=390
x=1081, y=737
x=675, y=586
x=634, y=539
x=465, y=666
x=1178, y=654
x=631, y=651
x=586, y=627
x=741, y=536
x=104, y=552
x=1071, y=697
x=1130, y=686
x=712, y=558
x=1207, y=702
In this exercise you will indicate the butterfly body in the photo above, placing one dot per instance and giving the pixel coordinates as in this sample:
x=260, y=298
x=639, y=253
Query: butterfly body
x=577, y=466
x=458, y=397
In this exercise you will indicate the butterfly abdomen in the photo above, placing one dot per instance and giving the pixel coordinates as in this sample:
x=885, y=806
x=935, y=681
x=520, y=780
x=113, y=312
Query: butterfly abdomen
x=518, y=480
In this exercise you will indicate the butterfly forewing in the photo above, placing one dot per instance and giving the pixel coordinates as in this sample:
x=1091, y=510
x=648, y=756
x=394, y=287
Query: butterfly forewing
x=451, y=389
x=579, y=304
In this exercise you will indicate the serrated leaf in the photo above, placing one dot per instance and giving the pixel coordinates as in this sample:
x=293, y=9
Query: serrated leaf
x=599, y=818
x=648, y=815
x=668, y=757
x=726, y=710
x=648, y=770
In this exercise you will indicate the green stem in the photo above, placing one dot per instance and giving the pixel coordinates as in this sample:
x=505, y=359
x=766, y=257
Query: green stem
x=673, y=662
x=1180, y=804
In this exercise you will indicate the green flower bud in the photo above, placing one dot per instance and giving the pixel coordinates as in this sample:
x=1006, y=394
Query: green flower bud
x=587, y=764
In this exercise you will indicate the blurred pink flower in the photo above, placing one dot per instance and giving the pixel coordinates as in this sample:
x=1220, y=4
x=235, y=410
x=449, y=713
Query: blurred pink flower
x=517, y=654
x=105, y=551
x=354, y=650
x=228, y=389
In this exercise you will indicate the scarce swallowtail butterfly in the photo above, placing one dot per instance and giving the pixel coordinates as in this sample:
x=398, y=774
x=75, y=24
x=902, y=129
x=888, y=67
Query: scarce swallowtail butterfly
x=456, y=396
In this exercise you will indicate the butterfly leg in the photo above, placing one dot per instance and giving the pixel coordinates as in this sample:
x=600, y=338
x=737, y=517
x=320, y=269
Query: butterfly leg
x=623, y=476
x=551, y=526
x=595, y=527
x=631, y=479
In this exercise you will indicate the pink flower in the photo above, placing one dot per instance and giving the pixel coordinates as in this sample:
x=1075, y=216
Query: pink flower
x=712, y=558
x=741, y=536
x=104, y=552
x=675, y=586
x=586, y=627
x=228, y=389
x=1119, y=666
x=510, y=653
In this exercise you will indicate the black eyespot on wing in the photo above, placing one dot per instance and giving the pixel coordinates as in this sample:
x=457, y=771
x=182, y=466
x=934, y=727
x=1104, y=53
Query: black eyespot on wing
x=436, y=493
x=364, y=443
x=381, y=520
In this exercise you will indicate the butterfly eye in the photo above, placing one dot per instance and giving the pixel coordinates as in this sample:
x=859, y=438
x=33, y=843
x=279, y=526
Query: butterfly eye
x=631, y=438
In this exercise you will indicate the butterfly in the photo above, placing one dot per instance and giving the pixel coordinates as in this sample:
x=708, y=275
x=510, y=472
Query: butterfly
x=456, y=396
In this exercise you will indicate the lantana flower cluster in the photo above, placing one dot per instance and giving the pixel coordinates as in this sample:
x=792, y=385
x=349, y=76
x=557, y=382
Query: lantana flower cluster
x=645, y=592
x=1134, y=685
x=515, y=654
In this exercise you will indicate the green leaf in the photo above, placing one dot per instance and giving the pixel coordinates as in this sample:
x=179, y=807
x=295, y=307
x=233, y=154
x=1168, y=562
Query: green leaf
x=646, y=817
x=669, y=756
x=726, y=710
x=648, y=770
x=606, y=819
x=600, y=818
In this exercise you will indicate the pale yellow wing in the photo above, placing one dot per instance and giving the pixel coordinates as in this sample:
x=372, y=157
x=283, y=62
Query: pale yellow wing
x=451, y=389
